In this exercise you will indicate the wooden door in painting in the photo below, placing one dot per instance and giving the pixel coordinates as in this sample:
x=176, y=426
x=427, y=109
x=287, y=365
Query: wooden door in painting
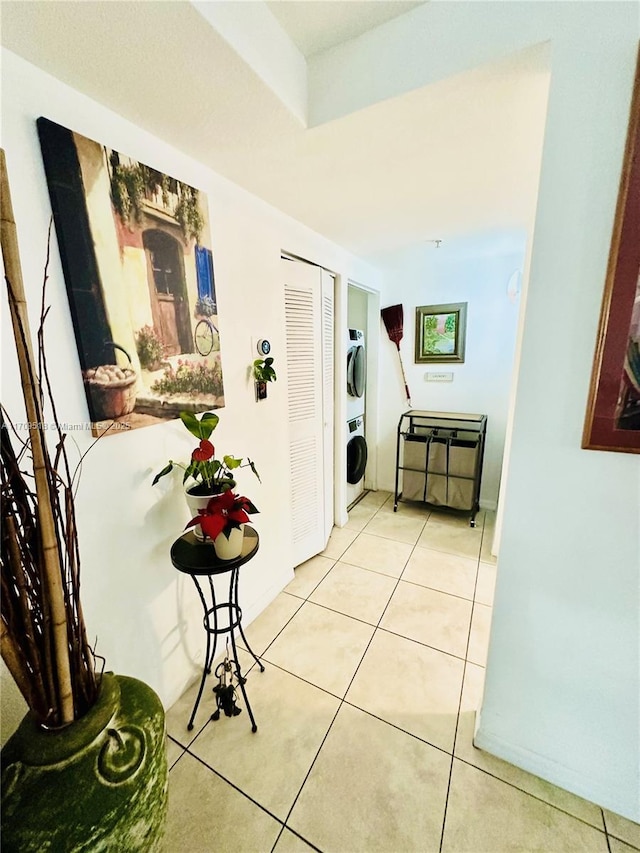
x=167, y=290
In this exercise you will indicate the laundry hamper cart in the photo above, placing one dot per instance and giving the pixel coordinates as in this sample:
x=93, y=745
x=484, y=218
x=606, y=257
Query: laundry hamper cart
x=439, y=459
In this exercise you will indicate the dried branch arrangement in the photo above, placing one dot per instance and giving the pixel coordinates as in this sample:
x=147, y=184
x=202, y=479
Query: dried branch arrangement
x=43, y=637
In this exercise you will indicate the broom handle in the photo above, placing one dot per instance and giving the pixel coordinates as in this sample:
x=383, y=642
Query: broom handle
x=404, y=378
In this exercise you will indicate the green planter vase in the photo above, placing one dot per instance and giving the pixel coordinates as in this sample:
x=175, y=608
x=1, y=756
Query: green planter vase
x=97, y=785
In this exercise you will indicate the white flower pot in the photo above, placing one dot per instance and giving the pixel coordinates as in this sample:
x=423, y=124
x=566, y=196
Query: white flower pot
x=195, y=503
x=229, y=549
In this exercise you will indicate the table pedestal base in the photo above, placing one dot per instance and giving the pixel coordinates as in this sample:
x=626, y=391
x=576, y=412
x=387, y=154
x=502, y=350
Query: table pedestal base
x=230, y=614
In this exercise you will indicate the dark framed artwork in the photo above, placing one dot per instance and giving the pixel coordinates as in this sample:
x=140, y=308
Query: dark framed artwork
x=138, y=267
x=440, y=333
x=613, y=410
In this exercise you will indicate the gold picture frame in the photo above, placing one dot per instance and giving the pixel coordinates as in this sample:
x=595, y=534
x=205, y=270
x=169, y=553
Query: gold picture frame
x=441, y=333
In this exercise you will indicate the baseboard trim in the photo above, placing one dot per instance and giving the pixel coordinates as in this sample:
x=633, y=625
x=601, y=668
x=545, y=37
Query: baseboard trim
x=555, y=773
x=490, y=505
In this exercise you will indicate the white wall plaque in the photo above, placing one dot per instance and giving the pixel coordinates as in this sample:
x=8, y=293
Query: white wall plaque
x=438, y=377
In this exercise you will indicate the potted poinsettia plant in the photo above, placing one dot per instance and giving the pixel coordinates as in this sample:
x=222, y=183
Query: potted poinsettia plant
x=222, y=520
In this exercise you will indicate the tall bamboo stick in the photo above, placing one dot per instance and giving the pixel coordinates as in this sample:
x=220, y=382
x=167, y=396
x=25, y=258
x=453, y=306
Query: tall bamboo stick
x=51, y=574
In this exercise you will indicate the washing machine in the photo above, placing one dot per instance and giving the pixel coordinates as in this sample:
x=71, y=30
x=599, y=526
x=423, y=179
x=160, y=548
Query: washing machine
x=356, y=458
x=356, y=373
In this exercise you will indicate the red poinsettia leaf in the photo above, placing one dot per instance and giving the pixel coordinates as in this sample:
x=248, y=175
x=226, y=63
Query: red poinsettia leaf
x=193, y=522
x=203, y=452
x=212, y=525
x=220, y=503
x=246, y=505
x=238, y=515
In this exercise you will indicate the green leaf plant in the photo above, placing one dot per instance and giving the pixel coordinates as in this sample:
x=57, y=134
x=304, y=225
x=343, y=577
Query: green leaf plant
x=263, y=370
x=212, y=476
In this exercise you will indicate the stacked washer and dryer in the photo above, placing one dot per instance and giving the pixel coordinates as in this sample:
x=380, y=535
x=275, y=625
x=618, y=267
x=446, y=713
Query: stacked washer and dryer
x=356, y=443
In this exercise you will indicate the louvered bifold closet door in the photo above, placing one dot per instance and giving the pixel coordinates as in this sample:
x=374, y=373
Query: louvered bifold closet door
x=303, y=288
x=328, y=356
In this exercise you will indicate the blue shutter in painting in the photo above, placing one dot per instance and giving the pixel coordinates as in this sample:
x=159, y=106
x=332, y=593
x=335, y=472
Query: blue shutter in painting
x=204, y=272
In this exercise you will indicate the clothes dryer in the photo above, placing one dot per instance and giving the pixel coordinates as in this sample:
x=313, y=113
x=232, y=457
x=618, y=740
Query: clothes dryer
x=356, y=373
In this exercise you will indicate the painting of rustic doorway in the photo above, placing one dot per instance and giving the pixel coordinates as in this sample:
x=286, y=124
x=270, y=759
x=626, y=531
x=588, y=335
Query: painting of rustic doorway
x=136, y=255
x=167, y=291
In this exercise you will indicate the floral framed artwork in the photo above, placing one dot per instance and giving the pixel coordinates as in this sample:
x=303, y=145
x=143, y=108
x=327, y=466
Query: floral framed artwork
x=440, y=333
x=613, y=409
x=135, y=247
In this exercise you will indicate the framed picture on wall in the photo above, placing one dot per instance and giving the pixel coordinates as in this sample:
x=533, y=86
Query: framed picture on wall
x=440, y=333
x=135, y=247
x=613, y=410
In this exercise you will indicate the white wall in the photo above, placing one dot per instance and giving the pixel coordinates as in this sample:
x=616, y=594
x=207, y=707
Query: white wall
x=357, y=310
x=145, y=617
x=562, y=692
x=475, y=270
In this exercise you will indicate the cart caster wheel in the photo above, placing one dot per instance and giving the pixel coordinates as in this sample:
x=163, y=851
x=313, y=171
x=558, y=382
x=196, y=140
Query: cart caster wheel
x=472, y=524
x=261, y=668
x=254, y=728
x=190, y=727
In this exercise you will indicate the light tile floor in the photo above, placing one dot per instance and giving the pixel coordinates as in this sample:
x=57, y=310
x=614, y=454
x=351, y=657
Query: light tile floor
x=374, y=659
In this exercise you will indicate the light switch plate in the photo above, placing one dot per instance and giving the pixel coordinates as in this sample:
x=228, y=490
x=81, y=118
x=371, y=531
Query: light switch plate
x=438, y=377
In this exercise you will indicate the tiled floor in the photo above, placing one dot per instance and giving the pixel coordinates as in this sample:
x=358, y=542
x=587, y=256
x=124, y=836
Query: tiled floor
x=374, y=659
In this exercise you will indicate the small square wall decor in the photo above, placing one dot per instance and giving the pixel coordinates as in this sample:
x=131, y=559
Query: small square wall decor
x=440, y=333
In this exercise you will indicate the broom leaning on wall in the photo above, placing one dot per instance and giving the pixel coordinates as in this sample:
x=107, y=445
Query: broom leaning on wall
x=393, y=319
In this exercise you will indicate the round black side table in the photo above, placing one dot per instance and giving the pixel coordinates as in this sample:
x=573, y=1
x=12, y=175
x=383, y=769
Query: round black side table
x=198, y=560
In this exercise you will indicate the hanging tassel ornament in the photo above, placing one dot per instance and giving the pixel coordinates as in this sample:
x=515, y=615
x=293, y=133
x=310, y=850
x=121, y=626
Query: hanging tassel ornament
x=225, y=691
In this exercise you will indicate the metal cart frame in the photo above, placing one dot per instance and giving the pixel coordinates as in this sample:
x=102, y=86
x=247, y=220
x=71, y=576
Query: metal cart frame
x=451, y=430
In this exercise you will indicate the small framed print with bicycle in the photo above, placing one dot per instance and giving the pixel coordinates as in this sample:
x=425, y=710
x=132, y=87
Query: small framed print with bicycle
x=138, y=270
x=440, y=333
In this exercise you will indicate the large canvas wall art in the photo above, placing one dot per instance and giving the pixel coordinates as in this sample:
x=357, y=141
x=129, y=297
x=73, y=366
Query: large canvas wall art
x=136, y=253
